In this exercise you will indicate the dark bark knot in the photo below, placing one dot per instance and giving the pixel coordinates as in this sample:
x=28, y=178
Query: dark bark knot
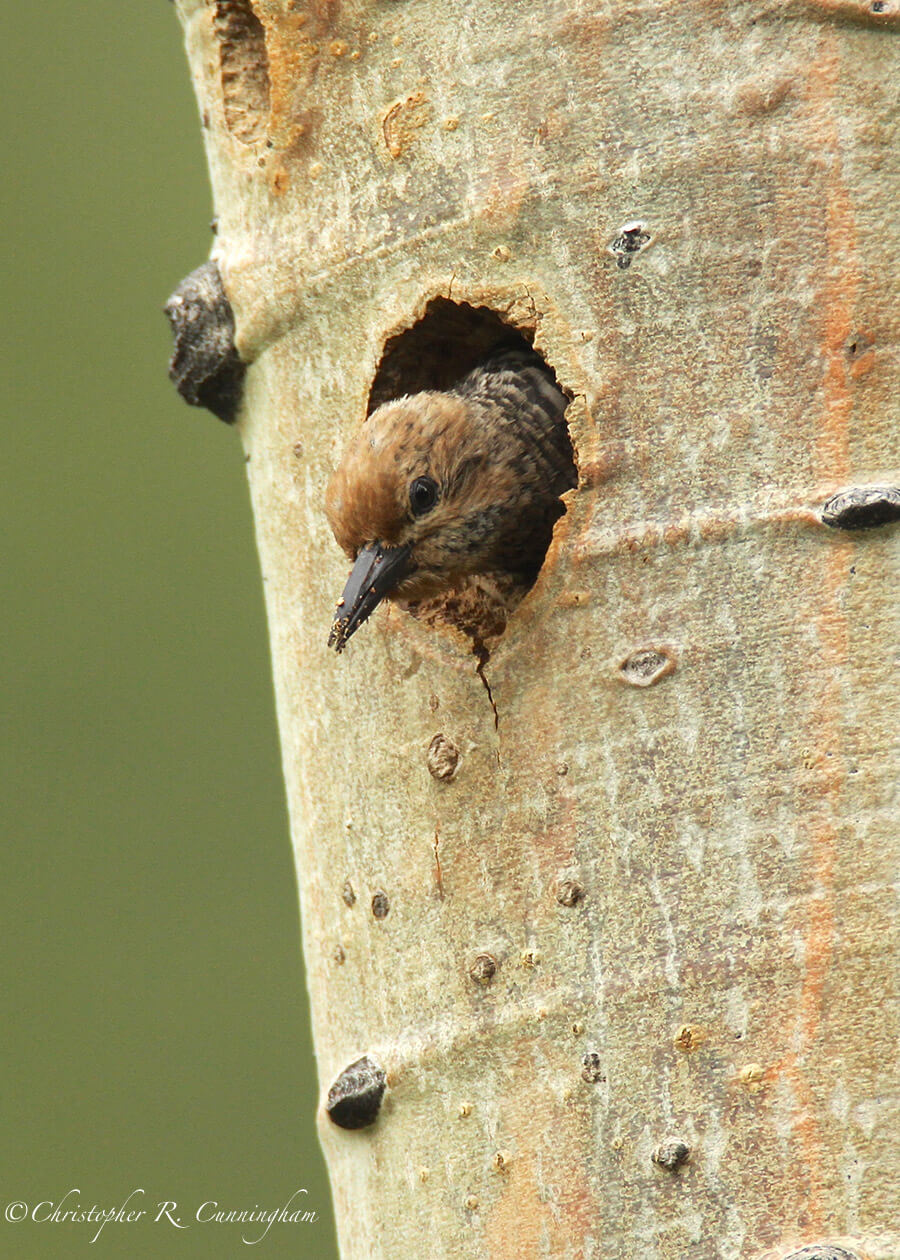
x=442, y=758
x=863, y=507
x=569, y=892
x=646, y=666
x=205, y=366
x=592, y=1068
x=483, y=969
x=671, y=1155
x=630, y=240
x=354, y=1099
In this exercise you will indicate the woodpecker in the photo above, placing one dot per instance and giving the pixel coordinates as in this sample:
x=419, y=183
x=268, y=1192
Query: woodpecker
x=439, y=487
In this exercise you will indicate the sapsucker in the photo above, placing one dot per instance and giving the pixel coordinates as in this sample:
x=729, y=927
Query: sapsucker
x=438, y=487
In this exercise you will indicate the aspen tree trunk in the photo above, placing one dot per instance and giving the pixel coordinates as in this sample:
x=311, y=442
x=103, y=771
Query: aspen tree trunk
x=635, y=899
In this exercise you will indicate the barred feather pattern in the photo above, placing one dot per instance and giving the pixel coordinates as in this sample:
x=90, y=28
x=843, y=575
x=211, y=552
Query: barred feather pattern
x=516, y=389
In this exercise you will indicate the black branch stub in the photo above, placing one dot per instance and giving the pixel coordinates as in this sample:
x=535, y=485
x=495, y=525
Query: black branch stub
x=863, y=507
x=205, y=367
x=354, y=1099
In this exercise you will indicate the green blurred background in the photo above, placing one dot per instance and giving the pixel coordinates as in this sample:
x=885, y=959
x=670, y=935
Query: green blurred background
x=155, y=1028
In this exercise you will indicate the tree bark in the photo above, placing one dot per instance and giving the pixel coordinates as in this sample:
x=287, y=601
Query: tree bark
x=610, y=909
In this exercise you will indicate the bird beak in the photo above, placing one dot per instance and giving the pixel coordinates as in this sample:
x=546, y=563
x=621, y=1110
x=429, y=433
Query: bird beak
x=378, y=571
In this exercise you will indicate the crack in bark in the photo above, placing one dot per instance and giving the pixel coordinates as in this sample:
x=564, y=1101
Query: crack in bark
x=482, y=655
x=438, y=872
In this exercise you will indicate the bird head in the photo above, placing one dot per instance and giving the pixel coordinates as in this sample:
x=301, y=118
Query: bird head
x=412, y=504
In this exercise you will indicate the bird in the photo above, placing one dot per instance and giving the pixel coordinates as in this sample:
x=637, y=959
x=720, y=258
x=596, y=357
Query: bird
x=441, y=487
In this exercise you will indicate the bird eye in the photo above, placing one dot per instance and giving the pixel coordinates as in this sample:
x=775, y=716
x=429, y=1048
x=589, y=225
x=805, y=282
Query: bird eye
x=423, y=493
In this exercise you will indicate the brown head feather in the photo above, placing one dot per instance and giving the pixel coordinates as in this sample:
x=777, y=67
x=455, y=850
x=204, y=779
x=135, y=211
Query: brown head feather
x=367, y=501
x=498, y=491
